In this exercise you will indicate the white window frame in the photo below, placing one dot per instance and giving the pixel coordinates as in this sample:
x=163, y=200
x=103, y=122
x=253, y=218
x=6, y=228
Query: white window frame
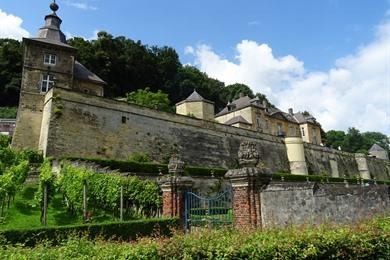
x=47, y=82
x=49, y=59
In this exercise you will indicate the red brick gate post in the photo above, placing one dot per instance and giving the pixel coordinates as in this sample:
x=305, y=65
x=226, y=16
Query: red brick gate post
x=246, y=184
x=174, y=188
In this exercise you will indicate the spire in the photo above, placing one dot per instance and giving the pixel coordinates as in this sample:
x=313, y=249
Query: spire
x=51, y=30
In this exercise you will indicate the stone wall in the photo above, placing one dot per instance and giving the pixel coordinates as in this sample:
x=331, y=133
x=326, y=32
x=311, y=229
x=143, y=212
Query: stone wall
x=312, y=203
x=323, y=160
x=81, y=125
x=91, y=126
x=378, y=168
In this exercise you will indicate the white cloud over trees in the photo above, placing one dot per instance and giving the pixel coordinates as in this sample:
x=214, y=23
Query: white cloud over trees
x=354, y=93
x=11, y=27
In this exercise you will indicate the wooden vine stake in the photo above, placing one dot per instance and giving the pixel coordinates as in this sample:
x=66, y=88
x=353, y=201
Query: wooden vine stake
x=85, y=201
x=121, y=204
x=44, y=215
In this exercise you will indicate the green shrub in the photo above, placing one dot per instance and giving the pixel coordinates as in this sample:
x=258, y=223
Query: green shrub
x=129, y=230
x=140, y=196
x=5, y=141
x=370, y=240
x=140, y=157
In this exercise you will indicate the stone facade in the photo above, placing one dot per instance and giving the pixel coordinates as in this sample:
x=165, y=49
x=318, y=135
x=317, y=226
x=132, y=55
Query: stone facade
x=48, y=62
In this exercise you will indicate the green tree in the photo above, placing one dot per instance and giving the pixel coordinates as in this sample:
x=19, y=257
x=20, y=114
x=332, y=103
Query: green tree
x=144, y=97
x=8, y=112
x=10, y=71
x=335, y=139
x=371, y=138
x=353, y=141
x=232, y=92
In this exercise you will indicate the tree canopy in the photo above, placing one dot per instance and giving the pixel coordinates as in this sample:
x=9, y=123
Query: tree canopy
x=145, y=97
x=355, y=142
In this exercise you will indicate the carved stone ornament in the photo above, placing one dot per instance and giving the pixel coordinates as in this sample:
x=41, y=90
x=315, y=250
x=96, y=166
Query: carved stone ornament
x=248, y=156
x=176, y=165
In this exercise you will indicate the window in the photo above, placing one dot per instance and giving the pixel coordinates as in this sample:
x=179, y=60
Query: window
x=303, y=131
x=47, y=82
x=50, y=59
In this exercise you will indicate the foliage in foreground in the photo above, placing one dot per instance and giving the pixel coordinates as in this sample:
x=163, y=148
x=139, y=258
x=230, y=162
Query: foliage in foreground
x=123, y=231
x=369, y=240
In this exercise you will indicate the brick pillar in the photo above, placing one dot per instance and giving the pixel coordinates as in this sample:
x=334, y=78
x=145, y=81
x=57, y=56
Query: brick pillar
x=246, y=197
x=174, y=188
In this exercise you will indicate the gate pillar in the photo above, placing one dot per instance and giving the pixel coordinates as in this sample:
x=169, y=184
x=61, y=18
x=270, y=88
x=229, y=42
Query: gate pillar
x=174, y=188
x=247, y=183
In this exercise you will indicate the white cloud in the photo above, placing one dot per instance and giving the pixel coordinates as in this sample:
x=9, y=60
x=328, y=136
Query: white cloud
x=354, y=93
x=11, y=27
x=189, y=50
x=81, y=5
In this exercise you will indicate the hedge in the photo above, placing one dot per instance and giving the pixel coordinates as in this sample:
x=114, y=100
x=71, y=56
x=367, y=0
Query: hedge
x=129, y=230
x=154, y=169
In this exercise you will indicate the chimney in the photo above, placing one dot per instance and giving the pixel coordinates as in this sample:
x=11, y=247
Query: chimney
x=242, y=95
x=265, y=104
x=291, y=111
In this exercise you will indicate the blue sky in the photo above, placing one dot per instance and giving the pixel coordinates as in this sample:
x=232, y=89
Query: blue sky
x=326, y=56
x=316, y=32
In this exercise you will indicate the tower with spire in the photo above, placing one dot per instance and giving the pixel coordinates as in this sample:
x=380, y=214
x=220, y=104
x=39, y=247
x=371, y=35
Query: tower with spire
x=48, y=62
x=196, y=106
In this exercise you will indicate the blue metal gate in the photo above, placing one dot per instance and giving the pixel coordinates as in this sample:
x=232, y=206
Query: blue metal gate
x=202, y=212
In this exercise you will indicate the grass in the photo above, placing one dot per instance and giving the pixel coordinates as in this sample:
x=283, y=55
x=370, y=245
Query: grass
x=23, y=214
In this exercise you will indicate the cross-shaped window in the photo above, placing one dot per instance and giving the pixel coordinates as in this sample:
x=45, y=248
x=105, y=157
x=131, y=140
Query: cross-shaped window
x=47, y=82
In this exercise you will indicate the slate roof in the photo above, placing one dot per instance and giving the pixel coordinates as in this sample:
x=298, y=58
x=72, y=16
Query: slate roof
x=301, y=118
x=237, y=119
x=82, y=73
x=376, y=148
x=195, y=97
x=240, y=103
x=49, y=41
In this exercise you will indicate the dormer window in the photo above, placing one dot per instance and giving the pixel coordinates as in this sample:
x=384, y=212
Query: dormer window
x=47, y=83
x=50, y=59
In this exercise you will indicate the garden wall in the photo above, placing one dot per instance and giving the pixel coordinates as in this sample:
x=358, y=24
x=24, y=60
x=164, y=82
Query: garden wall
x=312, y=203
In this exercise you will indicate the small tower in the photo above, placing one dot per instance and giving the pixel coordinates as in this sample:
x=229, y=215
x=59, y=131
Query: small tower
x=378, y=152
x=48, y=61
x=195, y=105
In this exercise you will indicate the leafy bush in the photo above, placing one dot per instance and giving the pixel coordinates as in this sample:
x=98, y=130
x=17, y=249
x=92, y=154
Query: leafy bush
x=140, y=157
x=8, y=112
x=370, y=240
x=129, y=230
x=5, y=141
x=141, y=197
x=11, y=181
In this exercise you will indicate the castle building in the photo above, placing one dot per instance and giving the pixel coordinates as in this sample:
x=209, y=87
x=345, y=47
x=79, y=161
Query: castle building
x=62, y=112
x=250, y=113
x=48, y=61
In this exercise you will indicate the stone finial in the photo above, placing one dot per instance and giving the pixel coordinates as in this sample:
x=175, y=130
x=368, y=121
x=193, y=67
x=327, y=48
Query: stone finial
x=176, y=165
x=248, y=156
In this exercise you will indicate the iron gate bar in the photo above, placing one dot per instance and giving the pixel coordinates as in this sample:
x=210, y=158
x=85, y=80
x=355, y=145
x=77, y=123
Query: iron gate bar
x=208, y=212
